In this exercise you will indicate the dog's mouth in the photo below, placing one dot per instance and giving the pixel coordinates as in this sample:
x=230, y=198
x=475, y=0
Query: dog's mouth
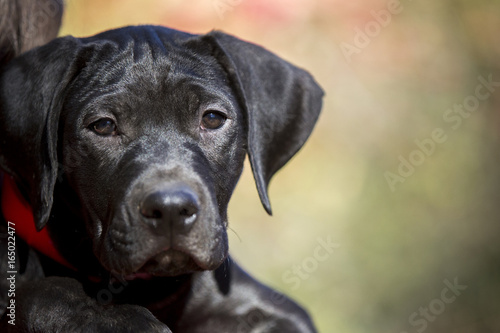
x=170, y=262
x=137, y=252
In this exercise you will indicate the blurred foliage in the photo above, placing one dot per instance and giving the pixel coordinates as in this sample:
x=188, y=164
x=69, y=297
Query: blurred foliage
x=396, y=248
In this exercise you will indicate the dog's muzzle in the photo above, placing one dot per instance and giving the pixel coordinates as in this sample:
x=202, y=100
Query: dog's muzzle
x=165, y=229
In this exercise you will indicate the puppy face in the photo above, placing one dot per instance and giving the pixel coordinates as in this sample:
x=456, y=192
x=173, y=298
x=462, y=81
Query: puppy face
x=159, y=137
x=150, y=126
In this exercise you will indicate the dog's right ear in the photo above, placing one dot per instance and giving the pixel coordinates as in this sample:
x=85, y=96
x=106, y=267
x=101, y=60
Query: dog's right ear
x=32, y=90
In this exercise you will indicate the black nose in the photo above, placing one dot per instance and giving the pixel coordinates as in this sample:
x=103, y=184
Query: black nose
x=173, y=208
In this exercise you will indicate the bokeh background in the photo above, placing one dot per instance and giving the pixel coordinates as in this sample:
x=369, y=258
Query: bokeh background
x=394, y=73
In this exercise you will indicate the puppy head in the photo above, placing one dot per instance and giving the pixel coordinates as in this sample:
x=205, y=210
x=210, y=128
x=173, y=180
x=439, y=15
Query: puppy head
x=151, y=126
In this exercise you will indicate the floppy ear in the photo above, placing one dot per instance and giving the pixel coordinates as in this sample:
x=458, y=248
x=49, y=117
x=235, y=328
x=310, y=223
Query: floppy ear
x=282, y=103
x=32, y=88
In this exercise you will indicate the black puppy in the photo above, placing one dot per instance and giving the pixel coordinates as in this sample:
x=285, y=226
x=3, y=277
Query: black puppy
x=128, y=145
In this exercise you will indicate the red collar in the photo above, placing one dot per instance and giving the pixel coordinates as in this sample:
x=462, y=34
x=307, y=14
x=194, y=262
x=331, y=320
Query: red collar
x=18, y=211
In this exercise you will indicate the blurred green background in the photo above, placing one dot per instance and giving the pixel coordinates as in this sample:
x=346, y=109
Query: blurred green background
x=414, y=223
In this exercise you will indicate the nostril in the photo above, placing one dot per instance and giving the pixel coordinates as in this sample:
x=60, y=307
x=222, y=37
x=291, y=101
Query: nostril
x=185, y=212
x=189, y=208
x=156, y=214
x=149, y=209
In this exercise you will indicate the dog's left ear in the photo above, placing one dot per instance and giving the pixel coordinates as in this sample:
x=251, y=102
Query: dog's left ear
x=32, y=88
x=282, y=103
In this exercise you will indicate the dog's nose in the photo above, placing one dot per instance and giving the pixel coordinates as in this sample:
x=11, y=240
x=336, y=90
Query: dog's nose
x=173, y=208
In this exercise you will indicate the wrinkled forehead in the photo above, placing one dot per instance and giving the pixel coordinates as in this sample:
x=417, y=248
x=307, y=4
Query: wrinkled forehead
x=151, y=66
x=145, y=65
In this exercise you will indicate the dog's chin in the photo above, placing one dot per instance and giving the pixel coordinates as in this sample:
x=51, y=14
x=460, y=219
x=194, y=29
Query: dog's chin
x=167, y=263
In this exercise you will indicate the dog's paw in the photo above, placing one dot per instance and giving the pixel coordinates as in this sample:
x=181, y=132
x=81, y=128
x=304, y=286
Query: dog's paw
x=116, y=319
x=58, y=304
x=136, y=318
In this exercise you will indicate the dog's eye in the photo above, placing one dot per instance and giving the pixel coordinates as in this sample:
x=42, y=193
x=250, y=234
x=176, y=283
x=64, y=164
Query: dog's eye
x=213, y=120
x=104, y=127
